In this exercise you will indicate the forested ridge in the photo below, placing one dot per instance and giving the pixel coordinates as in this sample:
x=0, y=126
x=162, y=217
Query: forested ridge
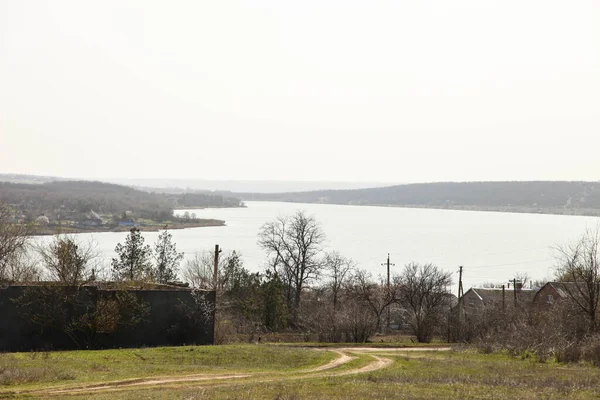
x=63, y=197
x=559, y=197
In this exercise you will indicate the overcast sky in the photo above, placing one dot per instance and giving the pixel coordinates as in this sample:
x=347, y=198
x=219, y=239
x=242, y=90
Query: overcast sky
x=396, y=91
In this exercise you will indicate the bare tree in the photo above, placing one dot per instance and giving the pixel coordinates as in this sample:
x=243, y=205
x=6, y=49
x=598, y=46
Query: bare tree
x=424, y=293
x=579, y=269
x=199, y=271
x=13, y=242
x=294, y=245
x=356, y=323
x=375, y=296
x=20, y=267
x=521, y=278
x=338, y=271
x=67, y=259
x=490, y=285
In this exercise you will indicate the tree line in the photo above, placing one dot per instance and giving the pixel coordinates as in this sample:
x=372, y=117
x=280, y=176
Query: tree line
x=302, y=288
x=67, y=292
x=562, y=325
x=306, y=287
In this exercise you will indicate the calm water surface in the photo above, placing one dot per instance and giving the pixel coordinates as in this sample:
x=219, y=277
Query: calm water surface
x=491, y=246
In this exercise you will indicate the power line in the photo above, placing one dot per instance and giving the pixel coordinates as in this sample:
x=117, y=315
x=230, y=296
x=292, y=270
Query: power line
x=497, y=253
x=510, y=264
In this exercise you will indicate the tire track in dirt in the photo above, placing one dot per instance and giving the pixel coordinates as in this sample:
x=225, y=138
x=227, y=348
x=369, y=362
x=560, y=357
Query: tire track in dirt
x=342, y=359
x=141, y=383
x=187, y=381
x=379, y=363
x=154, y=381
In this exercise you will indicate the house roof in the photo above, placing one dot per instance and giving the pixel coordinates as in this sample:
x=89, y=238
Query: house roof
x=494, y=295
x=92, y=215
x=564, y=289
x=452, y=299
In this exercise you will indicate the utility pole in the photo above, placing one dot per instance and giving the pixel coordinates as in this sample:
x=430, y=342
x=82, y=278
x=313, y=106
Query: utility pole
x=215, y=283
x=388, y=288
x=460, y=285
x=460, y=299
x=514, y=281
x=503, y=298
x=216, y=267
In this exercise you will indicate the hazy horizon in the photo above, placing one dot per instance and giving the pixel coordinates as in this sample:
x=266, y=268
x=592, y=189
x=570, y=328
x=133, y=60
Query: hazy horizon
x=330, y=91
x=237, y=186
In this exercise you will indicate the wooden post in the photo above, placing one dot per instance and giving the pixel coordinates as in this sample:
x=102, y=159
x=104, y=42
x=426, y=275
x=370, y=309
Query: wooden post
x=460, y=300
x=388, y=289
x=215, y=284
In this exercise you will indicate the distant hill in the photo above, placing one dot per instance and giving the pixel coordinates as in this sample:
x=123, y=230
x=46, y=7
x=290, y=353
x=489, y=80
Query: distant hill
x=72, y=198
x=556, y=197
x=178, y=185
x=262, y=186
x=22, y=178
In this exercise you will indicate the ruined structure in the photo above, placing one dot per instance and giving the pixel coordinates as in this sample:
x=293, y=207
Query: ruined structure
x=47, y=315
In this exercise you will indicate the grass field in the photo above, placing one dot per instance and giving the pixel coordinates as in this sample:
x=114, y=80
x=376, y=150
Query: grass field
x=34, y=370
x=278, y=372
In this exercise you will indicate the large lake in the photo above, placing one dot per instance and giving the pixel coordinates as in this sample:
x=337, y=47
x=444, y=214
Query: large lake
x=491, y=246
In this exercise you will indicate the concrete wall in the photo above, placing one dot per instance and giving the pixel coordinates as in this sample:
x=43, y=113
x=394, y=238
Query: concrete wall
x=168, y=323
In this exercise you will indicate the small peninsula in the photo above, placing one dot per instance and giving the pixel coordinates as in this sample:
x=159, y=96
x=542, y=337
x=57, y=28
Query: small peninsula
x=90, y=206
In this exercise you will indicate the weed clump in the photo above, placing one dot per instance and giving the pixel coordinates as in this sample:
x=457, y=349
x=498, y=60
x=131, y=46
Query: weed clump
x=13, y=374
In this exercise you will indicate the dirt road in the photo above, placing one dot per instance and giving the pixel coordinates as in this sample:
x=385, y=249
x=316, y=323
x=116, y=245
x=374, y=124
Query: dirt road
x=332, y=368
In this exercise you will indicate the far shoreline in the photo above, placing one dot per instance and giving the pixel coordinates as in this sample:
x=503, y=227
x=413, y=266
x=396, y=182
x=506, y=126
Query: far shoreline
x=69, y=230
x=572, y=212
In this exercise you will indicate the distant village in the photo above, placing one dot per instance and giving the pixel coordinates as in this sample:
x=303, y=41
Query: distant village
x=89, y=219
x=477, y=298
x=86, y=206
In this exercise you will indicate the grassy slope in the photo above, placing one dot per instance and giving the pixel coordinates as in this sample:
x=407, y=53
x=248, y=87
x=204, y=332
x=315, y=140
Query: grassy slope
x=378, y=345
x=464, y=375
x=422, y=376
x=31, y=370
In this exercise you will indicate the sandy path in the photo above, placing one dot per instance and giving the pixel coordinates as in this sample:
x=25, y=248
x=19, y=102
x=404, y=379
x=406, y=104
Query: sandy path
x=182, y=381
x=392, y=349
x=118, y=385
x=342, y=359
x=379, y=363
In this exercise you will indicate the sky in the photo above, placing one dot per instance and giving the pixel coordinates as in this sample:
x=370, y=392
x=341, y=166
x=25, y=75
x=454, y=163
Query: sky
x=386, y=91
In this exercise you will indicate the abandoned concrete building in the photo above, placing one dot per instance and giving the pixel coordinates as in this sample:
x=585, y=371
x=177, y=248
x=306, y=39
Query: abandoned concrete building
x=45, y=315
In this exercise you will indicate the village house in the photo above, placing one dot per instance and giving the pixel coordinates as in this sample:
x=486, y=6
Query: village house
x=476, y=299
x=127, y=222
x=91, y=219
x=553, y=292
